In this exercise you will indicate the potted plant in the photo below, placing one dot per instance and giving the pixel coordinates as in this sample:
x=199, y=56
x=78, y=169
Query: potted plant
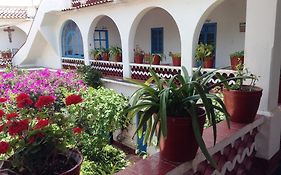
x=236, y=58
x=175, y=110
x=176, y=58
x=116, y=53
x=35, y=132
x=241, y=101
x=94, y=53
x=153, y=58
x=7, y=54
x=138, y=55
x=205, y=54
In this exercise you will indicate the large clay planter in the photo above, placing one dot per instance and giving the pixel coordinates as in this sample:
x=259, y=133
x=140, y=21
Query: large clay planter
x=242, y=106
x=180, y=144
x=118, y=57
x=208, y=62
x=176, y=61
x=156, y=60
x=139, y=59
x=235, y=61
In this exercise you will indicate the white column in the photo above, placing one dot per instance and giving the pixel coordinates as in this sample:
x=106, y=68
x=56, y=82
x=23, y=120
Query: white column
x=262, y=52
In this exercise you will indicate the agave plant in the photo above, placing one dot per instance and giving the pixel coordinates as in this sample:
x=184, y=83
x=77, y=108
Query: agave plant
x=178, y=96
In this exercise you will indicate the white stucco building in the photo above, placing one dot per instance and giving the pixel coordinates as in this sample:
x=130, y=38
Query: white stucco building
x=64, y=32
x=15, y=22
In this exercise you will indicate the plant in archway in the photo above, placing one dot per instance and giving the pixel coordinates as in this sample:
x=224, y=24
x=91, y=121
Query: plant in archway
x=205, y=54
x=116, y=53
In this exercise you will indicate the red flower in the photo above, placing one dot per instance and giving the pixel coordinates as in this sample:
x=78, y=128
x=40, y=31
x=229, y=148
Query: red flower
x=77, y=130
x=73, y=99
x=17, y=127
x=44, y=101
x=2, y=100
x=33, y=138
x=41, y=123
x=12, y=115
x=4, y=147
x=2, y=113
x=1, y=127
x=23, y=100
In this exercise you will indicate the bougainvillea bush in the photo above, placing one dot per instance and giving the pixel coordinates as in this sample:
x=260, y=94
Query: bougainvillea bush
x=38, y=82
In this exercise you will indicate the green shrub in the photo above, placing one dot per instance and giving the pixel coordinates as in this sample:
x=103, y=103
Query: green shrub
x=90, y=76
x=108, y=160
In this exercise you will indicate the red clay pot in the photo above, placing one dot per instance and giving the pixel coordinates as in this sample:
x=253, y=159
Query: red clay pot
x=139, y=59
x=176, y=61
x=180, y=144
x=118, y=58
x=235, y=61
x=242, y=106
x=77, y=156
x=105, y=56
x=208, y=62
x=156, y=60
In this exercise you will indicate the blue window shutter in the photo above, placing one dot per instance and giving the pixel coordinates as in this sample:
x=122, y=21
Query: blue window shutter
x=101, y=39
x=157, y=40
x=72, y=45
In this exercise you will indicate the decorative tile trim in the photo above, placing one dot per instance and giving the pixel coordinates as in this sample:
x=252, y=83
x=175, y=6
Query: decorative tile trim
x=108, y=68
x=71, y=63
x=4, y=62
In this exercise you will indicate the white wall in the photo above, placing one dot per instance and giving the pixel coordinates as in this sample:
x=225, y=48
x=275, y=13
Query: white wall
x=228, y=15
x=153, y=19
x=18, y=38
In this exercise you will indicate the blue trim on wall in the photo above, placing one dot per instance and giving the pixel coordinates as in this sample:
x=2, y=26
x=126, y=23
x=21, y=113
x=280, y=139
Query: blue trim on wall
x=100, y=39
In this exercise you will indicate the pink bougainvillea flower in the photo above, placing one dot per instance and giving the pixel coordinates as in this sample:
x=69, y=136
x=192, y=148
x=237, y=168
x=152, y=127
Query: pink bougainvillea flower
x=73, y=99
x=4, y=147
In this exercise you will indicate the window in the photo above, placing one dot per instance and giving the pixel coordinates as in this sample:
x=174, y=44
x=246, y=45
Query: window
x=101, y=39
x=72, y=45
x=157, y=40
x=208, y=34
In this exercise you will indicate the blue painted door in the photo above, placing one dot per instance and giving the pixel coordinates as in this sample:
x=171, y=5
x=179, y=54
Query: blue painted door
x=208, y=34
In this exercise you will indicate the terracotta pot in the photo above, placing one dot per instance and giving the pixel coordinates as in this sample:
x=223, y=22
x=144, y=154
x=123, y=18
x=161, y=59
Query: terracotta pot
x=208, y=62
x=235, y=61
x=180, y=144
x=139, y=59
x=242, y=106
x=118, y=57
x=105, y=56
x=156, y=60
x=176, y=61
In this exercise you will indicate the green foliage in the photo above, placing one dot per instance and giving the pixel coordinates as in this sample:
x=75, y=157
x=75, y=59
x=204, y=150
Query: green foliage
x=90, y=76
x=237, y=54
x=108, y=160
x=203, y=51
x=153, y=102
x=114, y=51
